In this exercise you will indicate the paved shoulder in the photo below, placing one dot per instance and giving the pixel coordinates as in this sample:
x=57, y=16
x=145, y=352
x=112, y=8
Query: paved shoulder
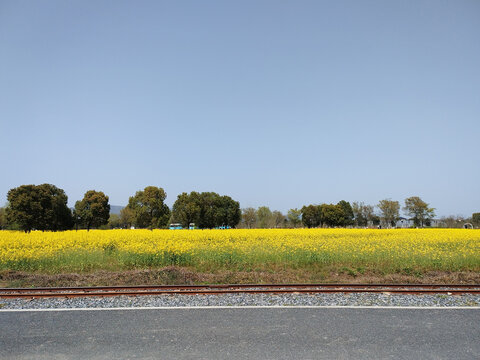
x=254, y=333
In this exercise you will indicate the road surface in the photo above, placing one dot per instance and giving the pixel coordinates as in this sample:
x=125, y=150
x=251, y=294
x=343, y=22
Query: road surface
x=236, y=333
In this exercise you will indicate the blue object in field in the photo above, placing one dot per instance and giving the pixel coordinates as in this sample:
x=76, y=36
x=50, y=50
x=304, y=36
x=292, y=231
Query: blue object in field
x=223, y=227
x=175, y=227
x=191, y=226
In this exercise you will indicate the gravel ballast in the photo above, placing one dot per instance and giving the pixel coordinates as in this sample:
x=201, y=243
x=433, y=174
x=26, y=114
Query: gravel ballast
x=353, y=299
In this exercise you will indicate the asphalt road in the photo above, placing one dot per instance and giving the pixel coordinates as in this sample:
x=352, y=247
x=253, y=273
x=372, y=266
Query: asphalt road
x=254, y=333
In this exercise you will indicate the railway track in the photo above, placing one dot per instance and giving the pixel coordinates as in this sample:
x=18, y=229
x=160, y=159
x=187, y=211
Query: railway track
x=452, y=289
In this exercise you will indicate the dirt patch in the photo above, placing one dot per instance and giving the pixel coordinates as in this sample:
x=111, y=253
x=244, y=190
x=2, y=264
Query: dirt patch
x=181, y=275
x=167, y=276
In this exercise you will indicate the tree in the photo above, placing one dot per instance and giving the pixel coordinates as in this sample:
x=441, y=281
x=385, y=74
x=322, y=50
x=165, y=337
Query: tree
x=249, y=217
x=419, y=210
x=93, y=210
x=347, y=213
x=358, y=214
x=186, y=209
x=476, y=219
x=127, y=218
x=312, y=215
x=42, y=207
x=55, y=214
x=389, y=211
x=216, y=210
x=333, y=215
x=278, y=218
x=375, y=219
x=294, y=217
x=149, y=208
x=207, y=210
x=264, y=216
x=24, y=207
x=227, y=212
x=3, y=219
x=114, y=222
x=362, y=213
x=452, y=221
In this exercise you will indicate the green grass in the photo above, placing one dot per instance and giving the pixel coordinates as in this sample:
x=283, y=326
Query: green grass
x=113, y=260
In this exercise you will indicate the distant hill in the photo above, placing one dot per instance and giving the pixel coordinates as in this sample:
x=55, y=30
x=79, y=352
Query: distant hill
x=115, y=209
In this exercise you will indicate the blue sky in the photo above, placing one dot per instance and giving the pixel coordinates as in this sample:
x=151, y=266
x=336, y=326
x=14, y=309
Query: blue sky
x=276, y=103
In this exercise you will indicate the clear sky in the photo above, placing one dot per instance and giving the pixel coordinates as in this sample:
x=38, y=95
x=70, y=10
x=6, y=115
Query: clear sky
x=276, y=103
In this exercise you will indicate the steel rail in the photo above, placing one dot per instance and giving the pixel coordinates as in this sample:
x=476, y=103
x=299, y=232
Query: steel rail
x=222, y=286
x=239, y=289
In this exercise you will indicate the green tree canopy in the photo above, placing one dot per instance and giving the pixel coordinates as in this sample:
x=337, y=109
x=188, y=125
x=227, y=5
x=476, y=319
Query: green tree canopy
x=228, y=212
x=186, y=209
x=149, y=208
x=93, y=210
x=264, y=217
x=347, y=213
x=389, y=211
x=312, y=215
x=114, y=221
x=127, y=218
x=41, y=207
x=24, y=207
x=3, y=219
x=55, y=212
x=419, y=210
x=206, y=210
x=294, y=217
x=333, y=215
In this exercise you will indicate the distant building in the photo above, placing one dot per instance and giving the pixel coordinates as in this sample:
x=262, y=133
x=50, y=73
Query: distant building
x=404, y=222
x=408, y=223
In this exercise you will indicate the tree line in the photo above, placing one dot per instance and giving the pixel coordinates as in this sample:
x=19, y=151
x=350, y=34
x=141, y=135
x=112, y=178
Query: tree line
x=358, y=214
x=361, y=215
x=44, y=207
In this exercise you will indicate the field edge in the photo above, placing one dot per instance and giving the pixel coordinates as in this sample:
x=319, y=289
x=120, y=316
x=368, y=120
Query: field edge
x=183, y=275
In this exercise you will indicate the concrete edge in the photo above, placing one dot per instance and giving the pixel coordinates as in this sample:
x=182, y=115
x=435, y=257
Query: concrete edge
x=248, y=307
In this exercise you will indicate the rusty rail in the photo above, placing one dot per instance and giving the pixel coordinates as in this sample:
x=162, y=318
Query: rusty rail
x=451, y=289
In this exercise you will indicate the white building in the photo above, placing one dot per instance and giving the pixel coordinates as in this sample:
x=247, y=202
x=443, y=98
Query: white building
x=408, y=223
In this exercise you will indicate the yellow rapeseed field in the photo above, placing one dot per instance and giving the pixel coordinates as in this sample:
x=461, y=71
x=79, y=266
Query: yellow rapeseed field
x=445, y=249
